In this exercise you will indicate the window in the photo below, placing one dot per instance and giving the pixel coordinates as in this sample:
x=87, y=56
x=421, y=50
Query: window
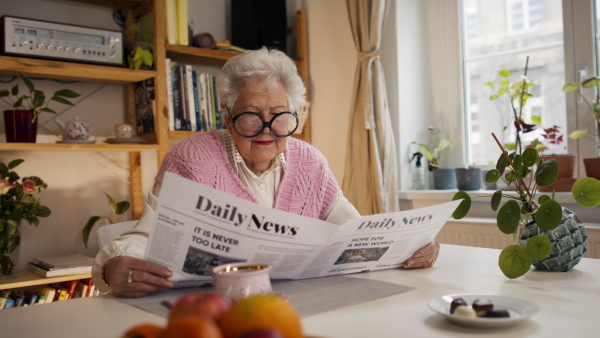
x=510, y=33
x=524, y=15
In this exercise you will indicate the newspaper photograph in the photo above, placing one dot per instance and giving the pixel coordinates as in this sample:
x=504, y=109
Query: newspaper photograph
x=197, y=228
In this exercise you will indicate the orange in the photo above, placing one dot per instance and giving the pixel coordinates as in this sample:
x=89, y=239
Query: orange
x=144, y=331
x=192, y=326
x=261, y=312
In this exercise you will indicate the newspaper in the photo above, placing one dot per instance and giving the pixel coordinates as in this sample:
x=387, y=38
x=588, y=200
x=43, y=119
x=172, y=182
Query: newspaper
x=196, y=228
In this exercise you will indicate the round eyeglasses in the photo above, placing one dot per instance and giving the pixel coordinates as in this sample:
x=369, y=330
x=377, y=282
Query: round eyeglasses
x=249, y=124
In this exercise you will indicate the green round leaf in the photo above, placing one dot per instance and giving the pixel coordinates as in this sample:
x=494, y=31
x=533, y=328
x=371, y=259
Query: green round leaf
x=586, y=192
x=547, y=173
x=530, y=157
x=569, y=87
x=539, y=247
x=508, y=217
x=548, y=215
x=502, y=163
x=517, y=162
x=523, y=171
x=496, y=198
x=590, y=83
x=505, y=73
x=514, y=261
x=492, y=176
x=510, y=177
x=543, y=198
x=464, y=206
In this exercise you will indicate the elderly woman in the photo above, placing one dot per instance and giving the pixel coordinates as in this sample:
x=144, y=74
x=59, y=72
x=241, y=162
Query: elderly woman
x=254, y=159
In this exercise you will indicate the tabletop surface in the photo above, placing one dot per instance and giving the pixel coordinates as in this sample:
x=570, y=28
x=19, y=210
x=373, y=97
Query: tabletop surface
x=568, y=304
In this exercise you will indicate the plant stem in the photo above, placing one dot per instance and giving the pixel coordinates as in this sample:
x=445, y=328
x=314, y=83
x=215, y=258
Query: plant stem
x=521, y=101
x=521, y=182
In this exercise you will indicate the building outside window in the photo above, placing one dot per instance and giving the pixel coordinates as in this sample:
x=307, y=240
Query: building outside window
x=508, y=33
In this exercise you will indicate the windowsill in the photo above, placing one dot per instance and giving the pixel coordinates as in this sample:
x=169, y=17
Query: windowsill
x=480, y=207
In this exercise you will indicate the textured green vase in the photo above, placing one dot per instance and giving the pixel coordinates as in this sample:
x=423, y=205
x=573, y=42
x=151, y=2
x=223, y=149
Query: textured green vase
x=10, y=238
x=569, y=243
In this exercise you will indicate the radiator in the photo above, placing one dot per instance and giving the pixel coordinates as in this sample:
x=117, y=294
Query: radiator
x=484, y=233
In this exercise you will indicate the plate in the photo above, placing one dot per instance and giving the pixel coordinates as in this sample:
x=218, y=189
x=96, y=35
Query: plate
x=519, y=309
x=125, y=140
x=78, y=141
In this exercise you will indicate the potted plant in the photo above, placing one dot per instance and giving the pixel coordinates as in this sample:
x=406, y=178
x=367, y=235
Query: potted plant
x=551, y=147
x=16, y=204
x=141, y=52
x=538, y=224
x=592, y=165
x=443, y=178
x=117, y=209
x=21, y=122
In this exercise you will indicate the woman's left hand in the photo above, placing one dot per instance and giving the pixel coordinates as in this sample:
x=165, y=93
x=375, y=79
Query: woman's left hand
x=424, y=257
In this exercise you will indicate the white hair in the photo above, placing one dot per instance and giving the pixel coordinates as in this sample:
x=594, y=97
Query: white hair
x=268, y=66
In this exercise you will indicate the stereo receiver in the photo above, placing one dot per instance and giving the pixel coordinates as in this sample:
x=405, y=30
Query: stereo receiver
x=50, y=40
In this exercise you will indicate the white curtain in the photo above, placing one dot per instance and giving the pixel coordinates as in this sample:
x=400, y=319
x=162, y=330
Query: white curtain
x=370, y=179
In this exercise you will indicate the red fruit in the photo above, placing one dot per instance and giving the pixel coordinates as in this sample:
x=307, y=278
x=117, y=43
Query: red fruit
x=200, y=303
x=144, y=331
x=261, y=334
x=192, y=326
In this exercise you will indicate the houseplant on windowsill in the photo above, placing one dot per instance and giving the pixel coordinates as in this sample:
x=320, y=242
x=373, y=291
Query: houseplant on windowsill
x=16, y=204
x=21, y=122
x=551, y=147
x=443, y=178
x=544, y=233
x=592, y=165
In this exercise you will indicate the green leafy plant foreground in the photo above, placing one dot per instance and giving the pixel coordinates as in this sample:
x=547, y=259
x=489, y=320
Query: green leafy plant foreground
x=117, y=209
x=524, y=209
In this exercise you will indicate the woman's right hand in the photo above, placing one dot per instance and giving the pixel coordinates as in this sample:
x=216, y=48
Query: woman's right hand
x=133, y=277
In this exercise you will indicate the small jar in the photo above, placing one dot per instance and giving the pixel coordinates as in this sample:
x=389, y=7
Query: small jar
x=123, y=130
x=236, y=281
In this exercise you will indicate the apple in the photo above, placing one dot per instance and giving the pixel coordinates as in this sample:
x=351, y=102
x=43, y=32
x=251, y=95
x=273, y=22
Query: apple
x=200, y=303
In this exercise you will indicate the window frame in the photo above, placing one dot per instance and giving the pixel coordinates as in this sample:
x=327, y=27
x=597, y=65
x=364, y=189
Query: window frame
x=579, y=50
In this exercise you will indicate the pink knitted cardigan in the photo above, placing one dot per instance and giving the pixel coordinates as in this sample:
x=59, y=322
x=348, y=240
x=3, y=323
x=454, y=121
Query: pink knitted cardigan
x=307, y=187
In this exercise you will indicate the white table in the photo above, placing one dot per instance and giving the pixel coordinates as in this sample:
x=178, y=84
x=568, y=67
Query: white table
x=569, y=305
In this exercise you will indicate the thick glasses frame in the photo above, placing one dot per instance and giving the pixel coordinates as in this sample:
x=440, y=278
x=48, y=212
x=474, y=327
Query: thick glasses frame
x=264, y=124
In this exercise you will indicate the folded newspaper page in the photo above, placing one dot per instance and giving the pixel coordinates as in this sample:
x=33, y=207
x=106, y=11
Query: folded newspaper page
x=196, y=228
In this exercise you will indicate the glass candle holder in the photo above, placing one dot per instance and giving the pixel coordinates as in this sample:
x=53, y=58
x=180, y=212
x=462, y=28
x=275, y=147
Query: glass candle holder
x=236, y=281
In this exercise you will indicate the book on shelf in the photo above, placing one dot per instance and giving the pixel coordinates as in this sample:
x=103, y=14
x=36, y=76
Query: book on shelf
x=189, y=91
x=169, y=76
x=144, y=107
x=48, y=293
x=171, y=27
x=70, y=287
x=90, y=286
x=41, y=299
x=57, y=272
x=9, y=303
x=197, y=108
x=31, y=297
x=177, y=110
x=192, y=99
x=4, y=294
x=63, y=261
x=183, y=35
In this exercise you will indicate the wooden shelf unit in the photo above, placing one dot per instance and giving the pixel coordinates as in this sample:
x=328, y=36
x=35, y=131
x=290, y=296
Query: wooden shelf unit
x=27, y=278
x=74, y=71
